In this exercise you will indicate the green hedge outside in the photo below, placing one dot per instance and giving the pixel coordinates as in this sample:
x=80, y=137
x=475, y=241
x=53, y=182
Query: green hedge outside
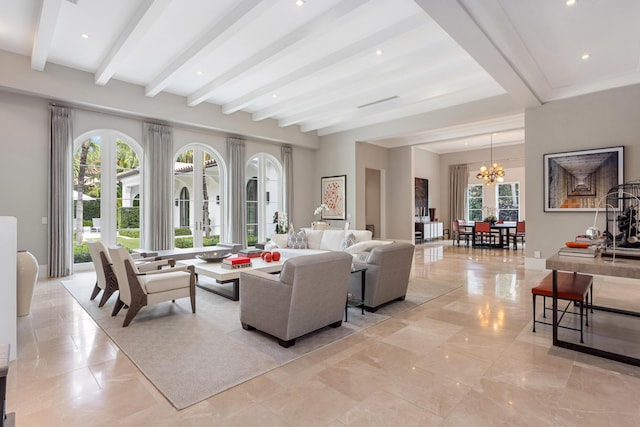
x=129, y=217
x=187, y=242
x=81, y=253
x=132, y=233
x=182, y=231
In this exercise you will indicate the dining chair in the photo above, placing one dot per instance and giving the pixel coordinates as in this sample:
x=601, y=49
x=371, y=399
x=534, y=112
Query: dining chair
x=519, y=234
x=460, y=232
x=483, y=232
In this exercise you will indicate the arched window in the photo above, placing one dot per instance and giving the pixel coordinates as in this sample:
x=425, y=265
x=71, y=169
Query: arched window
x=199, y=187
x=264, y=196
x=106, y=189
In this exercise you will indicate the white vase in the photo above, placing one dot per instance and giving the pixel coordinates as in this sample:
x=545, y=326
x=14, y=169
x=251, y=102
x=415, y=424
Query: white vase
x=27, y=275
x=280, y=240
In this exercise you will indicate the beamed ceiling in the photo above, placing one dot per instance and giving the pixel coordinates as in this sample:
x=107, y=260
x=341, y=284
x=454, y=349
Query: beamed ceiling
x=460, y=69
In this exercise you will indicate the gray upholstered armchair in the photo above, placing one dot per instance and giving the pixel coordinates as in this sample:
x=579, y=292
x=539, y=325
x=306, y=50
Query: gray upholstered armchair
x=310, y=293
x=387, y=276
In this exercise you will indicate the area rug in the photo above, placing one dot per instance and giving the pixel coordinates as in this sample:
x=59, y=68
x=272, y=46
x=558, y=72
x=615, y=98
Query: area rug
x=191, y=357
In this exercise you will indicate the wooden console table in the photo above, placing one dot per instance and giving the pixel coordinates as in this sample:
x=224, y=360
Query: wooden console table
x=627, y=268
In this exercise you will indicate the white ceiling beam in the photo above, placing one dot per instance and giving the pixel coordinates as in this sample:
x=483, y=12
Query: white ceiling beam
x=278, y=49
x=454, y=19
x=362, y=47
x=496, y=24
x=240, y=16
x=447, y=76
x=139, y=24
x=394, y=64
x=391, y=131
x=464, y=131
x=46, y=27
x=465, y=95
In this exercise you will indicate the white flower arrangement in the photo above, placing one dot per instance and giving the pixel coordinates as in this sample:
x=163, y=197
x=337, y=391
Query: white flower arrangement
x=282, y=222
x=320, y=210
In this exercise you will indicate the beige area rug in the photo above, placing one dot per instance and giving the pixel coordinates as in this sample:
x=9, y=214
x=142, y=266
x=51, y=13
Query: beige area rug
x=191, y=357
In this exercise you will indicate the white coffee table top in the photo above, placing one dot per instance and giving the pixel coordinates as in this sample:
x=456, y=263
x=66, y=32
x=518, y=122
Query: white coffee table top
x=218, y=272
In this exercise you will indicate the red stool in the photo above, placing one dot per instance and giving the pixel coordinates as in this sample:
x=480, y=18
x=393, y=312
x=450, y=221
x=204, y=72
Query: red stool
x=572, y=287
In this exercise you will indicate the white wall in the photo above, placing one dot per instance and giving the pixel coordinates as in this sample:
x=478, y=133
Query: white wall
x=336, y=157
x=604, y=119
x=374, y=158
x=426, y=165
x=400, y=200
x=24, y=168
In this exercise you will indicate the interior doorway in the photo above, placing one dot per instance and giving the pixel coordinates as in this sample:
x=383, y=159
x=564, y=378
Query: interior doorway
x=374, y=216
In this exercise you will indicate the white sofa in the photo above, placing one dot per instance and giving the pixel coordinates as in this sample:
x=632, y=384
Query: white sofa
x=320, y=241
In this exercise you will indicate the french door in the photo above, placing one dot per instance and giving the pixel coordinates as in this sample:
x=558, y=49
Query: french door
x=199, y=201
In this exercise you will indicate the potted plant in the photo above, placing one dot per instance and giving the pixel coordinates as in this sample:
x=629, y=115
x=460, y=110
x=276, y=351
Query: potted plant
x=281, y=221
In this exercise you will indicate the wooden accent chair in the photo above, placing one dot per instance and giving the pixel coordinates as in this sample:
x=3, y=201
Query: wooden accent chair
x=105, y=277
x=139, y=289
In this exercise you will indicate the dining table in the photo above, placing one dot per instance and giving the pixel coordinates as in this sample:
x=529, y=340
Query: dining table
x=504, y=232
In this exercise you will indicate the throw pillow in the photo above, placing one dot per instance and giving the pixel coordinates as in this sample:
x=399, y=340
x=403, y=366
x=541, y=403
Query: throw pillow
x=366, y=246
x=348, y=240
x=297, y=240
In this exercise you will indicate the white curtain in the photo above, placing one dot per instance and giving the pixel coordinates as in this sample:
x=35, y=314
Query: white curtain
x=237, y=224
x=458, y=181
x=287, y=168
x=60, y=201
x=157, y=203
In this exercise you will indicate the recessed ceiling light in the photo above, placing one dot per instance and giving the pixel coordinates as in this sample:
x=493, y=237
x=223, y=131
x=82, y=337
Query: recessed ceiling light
x=585, y=56
x=84, y=35
x=199, y=72
x=274, y=96
x=300, y=2
x=379, y=52
x=570, y=2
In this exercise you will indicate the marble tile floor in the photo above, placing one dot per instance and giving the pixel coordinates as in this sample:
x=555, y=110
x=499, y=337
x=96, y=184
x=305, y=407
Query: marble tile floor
x=468, y=358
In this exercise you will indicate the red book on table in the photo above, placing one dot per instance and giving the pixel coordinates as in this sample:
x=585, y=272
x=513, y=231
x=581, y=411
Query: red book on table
x=237, y=260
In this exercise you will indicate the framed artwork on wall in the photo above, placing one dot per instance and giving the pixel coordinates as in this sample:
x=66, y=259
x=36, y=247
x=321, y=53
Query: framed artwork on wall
x=334, y=196
x=579, y=180
x=421, y=194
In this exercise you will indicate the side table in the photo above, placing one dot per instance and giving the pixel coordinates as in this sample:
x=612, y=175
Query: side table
x=363, y=287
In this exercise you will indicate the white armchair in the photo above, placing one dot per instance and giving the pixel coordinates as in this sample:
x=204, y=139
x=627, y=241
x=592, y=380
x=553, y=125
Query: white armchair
x=139, y=289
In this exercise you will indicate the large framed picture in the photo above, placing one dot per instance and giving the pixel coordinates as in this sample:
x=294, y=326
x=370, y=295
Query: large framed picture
x=334, y=196
x=579, y=180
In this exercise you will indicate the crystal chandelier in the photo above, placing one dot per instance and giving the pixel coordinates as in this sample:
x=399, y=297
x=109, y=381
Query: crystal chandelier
x=493, y=173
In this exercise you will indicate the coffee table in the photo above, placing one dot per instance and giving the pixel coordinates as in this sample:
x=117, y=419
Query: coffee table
x=222, y=275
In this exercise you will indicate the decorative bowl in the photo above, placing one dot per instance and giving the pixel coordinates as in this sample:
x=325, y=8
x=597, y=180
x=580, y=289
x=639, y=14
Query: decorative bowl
x=213, y=256
x=582, y=245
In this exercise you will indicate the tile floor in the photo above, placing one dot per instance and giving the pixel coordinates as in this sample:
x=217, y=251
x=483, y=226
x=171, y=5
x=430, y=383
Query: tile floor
x=468, y=358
